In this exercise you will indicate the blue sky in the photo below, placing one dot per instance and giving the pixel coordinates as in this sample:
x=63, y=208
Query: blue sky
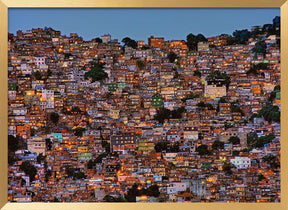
x=139, y=24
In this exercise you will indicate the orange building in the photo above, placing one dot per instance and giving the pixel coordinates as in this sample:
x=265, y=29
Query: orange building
x=156, y=42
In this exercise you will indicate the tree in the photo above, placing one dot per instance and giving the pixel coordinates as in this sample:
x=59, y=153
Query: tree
x=29, y=169
x=222, y=100
x=69, y=170
x=96, y=73
x=48, y=174
x=260, y=48
x=175, y=147
x=38, y=75
x=49, y=73
x=54, y=117
x=235, y=152
x=161, y=146
x=270, y=113
x=261, y=177
x=235, y=108
x=98, y=40
x=217, y=145
x=128, y=42
x=162, y=114
x=75, y=110
x=100, y=157
x=140, y=64
x=172, y=57
x=109, y=198
x=202, y=150
x=132, y=193
x=191, y=42
x=272, y=161
x=135, y=191
x=227, y=167
x=106, y=145
x=254, y=68
x=201, y=38
x=252, y=138
x=217, y=75
x=197, y=73
x=242, y=36
x=153, y=191
x=79, y=175
x=90, y=164
x=79, y=131
x=234, y=140
x=40, y=158
x=231, y=40
x=191, y=96
x=202, y=105
x=261, y=141
x=48, y=144
x=13, y=143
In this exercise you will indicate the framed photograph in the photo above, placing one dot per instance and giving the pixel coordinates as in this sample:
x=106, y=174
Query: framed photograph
x=132, y=104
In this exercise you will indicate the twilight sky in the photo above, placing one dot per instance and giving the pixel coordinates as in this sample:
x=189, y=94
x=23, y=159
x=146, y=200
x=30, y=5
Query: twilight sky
x=140, y=23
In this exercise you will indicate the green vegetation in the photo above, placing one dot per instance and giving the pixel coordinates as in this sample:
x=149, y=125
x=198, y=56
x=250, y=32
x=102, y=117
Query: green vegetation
x=234, y=140
x=172, y=57
x=79, y=131
x=98, y=40
x=96, y=73
x=191, y=96
x=40, y=158
x=13, y=143
x=257, y=142
x=71, y=172
x=166, y=146
x=235, y=108
x=137, y=190
x=129, y=42
x=29, y=169
x=273, y=93
x=164, y=113
x=109, y=198
x=106, y=145
x=197, y=73
x=217, y=145
x=272, y=161
x=270, y=113
x=260, y=48
x=140, y=64
x=261, y=177
x=217, y=75
x=235, y=152
x=242, y=36
x=54, y=117
x=38, y=75
x=254, y=68
x=192, y=40
x=203, y=105
x=202, y=150
x=227, y=167
x=231, y=40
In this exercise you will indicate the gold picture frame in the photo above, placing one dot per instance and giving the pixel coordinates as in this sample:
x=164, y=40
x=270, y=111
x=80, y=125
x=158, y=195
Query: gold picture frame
x=5, y=4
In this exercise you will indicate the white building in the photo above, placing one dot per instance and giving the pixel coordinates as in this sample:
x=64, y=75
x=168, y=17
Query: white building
x=106, y=38
x=48, y=97
x=176, y=187
x=37, y=145
x=214, y=90
x=241, y=162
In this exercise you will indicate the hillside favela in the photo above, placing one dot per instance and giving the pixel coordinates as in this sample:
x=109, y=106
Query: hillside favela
x=155, y=120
